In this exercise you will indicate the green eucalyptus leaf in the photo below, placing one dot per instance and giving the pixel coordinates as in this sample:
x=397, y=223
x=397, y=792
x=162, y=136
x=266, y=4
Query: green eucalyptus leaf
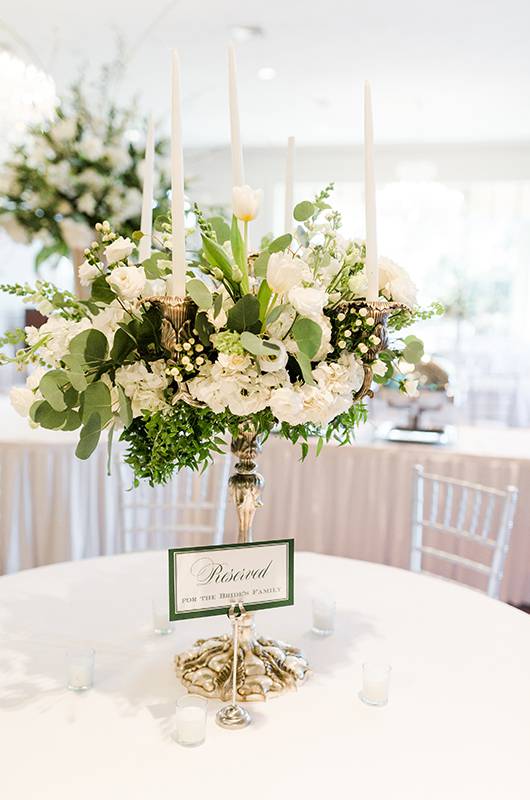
x=96, y=400
x=305, y=365
x=156, y=266
x=216, y=256
x=200, y=294
x=71, y=397
x=281, y=243
x=217, y=305
x=52, y=386
x=34, y=408
x=221, y=229
x=91, y=346
x=245, y=315
x=303, y=211
x=204, y=328
x=260, y=264
x=307, y=335
x=48, y=417
x=75, y=371
x=89, y=437
x=257, y=346
x=73, y=421
x=125, y=407
x=101, y=291
x=275, y=313
x=123, y=344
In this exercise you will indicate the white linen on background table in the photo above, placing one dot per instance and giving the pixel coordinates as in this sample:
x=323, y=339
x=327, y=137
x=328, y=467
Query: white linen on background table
x=456, y=725
x=351, y=501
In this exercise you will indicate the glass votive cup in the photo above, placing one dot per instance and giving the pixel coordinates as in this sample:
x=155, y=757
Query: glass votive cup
x=161, y=623
x=80, y=669
x=324, y=612
x=190, y=720
x=376, y=681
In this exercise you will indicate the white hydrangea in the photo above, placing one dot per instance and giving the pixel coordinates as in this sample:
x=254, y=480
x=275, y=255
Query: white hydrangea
x=145, y=387
x=58, y=333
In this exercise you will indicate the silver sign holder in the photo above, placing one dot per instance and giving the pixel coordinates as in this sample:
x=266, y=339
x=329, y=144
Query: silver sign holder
x=233, y=715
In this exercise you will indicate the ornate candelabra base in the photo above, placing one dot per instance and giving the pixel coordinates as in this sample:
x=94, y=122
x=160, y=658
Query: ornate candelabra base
x=266, y=667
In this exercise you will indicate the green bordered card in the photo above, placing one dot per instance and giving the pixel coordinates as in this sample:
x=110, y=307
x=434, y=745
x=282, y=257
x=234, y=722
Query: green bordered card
x=204, y=581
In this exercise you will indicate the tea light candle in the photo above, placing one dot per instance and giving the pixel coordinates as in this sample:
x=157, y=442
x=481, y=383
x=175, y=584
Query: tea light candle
x=80, y=669
x=376, y=679
x=324, y=610
x=190, y=720
x=161, y=623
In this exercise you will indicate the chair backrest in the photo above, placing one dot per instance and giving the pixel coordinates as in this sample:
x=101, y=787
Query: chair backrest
x=459, y=515
x=188, y=510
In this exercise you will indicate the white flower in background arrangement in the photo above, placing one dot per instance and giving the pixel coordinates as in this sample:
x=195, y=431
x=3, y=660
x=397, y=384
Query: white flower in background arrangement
x=90, y=147
x=120, y=249
x=308, y=301
x=64, y=130
x=285, y=271
x=77, y=235
x=88, y=273
x=246, y=202
x=396, y=284
x=92, y=179
x=59, y=175
x=118, y=157
x=411, y=387
x=21, y=399
x=127, y=282
x=13, y=228
x=87, y=204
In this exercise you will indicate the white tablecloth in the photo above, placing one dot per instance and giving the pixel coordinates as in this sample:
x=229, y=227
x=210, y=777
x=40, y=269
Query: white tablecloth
x=351, y=501
x=456, y=725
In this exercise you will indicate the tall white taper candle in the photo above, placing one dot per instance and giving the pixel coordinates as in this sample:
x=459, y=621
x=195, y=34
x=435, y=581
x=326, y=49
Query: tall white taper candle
x=372, y=271
x=289, y=185
x=238, y=174
x=146, y=224
x=178, y=242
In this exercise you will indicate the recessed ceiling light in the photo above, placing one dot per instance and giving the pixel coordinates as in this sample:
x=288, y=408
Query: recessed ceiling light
x=242, y=33
x=266, y=73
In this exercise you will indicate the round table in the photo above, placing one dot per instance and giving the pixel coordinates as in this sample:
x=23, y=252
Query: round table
x=456, y=725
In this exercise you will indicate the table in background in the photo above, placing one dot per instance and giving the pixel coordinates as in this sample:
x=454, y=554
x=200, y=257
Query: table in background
x=456, y=725
x=351, y=501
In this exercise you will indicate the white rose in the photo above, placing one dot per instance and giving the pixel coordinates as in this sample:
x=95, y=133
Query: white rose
x=77, y=235
x=21, y=399
x=277, y=360
x=127, y=282
x=246, y=202
x=285, y=271
x=119, y=249
x=287, y=405
x=396, y=283
x=309, y=302
x=411, y=387
x=88, y=273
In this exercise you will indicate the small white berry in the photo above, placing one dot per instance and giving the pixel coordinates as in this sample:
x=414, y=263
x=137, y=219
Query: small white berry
x=363, y=348
x=363, y=312
x=341, y=317
x=370, y=321
x=347, y=334
x=342, y=344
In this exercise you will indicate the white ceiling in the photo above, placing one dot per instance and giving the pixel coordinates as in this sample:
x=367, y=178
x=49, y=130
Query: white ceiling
x=445, y=71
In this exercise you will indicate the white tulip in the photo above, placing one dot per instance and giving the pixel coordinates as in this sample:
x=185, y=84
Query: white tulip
x=246, y=202
x=285, y=271
x=119, y=249
x=127, y=282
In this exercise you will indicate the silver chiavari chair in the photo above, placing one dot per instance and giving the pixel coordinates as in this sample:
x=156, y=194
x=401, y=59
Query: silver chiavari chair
x=466, y=516
x=188, y=510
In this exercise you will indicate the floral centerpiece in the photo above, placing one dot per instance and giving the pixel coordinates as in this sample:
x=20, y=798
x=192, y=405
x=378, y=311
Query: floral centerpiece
x=83, y=166
x=280, y=337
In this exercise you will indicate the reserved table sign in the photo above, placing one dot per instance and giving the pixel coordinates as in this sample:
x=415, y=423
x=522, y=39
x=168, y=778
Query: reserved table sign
x=204, y=581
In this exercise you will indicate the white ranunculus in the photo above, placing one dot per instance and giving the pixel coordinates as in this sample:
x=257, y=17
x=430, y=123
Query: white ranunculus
x=246, y=202
x=276, y=360
x=21, y=399
x=411, y=387
x=285, y=271
x=287, y=405
x=127, y=282
x=396, y=284
x=234, y=363
x=90, y=147
x=308, y=301
x=77, y=235
x=13, y=228
x=118, y=250
x=88, y=273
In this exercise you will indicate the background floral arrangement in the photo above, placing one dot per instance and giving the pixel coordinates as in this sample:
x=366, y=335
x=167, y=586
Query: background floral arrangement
x=276, y=340
x=74, y=171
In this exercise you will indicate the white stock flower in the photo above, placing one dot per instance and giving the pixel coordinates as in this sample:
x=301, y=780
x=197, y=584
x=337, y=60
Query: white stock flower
x=77, y=235
x=88, y=273
x=127, y=282
x=246, y=202
x=411, y=387
x=287, y=404
x=277, y=360
x=118, y=250
x=21, y=399
x=285, y=271
x=58, y=333
x=308, y=301
x=396, y=283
